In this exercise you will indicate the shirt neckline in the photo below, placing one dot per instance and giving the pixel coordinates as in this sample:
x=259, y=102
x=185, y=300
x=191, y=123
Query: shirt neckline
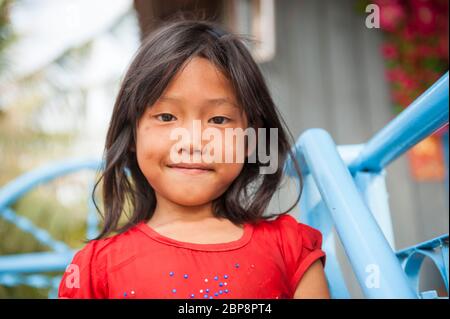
x=238, y=243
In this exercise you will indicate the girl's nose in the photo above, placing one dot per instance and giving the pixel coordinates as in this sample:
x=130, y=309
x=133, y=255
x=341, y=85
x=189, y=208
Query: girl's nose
x=190, y=148
x=192, y=144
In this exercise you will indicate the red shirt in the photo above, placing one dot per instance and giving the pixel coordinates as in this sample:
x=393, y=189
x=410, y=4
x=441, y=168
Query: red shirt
x=268, y=261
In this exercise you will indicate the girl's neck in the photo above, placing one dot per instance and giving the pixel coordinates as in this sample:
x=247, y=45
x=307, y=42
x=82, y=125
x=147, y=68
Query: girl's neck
x=167, y=211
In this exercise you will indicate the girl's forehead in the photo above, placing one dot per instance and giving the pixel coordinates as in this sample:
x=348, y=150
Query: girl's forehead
x=201, y=78
x=199, y=86
x=216, y=101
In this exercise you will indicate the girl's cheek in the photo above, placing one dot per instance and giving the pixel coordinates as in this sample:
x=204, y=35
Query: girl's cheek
x=233, y=149
x=153, y=142
x=232, y=159
x=228, y=172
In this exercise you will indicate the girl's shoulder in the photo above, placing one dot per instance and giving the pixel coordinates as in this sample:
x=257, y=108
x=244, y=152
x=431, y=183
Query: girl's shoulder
x=86, y=275
x=98, y=250
x=292, y=236
x=299, y=244
x=288, y=228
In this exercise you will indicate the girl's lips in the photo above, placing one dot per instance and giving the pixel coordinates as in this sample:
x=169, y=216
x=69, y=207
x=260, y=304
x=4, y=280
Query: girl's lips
x=190, y=170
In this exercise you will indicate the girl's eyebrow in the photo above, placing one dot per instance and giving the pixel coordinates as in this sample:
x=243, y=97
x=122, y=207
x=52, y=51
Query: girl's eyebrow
x=215, y=101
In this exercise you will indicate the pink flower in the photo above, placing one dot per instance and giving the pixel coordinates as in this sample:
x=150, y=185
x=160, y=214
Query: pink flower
x=423, y=17
x=392, y=15
x=391, y=75
x=389, y=51
x=408, y=33
x=396, y=74
x=385, y=2
x=408, y=83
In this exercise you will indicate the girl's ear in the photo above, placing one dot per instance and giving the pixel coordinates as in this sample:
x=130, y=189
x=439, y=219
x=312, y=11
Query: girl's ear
x=132, y=148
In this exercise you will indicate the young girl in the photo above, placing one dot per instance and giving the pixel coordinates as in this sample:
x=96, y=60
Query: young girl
x=196, y=230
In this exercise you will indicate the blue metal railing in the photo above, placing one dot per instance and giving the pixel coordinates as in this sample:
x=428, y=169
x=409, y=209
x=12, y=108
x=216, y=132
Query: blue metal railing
x=358, y=231
x=21, y=269
x=412, y=258
x=333, y=198
x=426, y=114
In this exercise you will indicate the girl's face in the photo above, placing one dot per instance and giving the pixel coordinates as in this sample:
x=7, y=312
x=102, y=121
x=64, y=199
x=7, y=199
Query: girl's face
x=201, y=93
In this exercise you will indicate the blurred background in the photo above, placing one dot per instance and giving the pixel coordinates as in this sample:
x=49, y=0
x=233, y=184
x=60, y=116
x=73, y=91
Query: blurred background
x=61, y=62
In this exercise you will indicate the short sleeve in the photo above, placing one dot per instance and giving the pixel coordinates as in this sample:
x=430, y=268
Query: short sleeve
x=85, y=276
x=302, y=246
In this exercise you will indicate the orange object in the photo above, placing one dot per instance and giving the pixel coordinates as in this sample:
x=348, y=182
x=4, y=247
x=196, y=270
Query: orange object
x=426, y=160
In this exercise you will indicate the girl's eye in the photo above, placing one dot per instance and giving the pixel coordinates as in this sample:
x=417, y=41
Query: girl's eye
x=219, y=120
x=165, y=117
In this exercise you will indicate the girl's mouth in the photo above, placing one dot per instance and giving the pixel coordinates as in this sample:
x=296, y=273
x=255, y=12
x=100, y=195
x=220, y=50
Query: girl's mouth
x=191, y=169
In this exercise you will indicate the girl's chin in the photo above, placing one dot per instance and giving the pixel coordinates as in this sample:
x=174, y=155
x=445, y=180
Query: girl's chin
x=190, y=201
x=187, y=195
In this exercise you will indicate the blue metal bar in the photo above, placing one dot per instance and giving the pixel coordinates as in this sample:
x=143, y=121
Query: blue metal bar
x=36, y=262
x=40, y=234
x=444, y=254
x=13, y=266
x=10, y=192
x=425, y=115
x=412, y=257
x=36, y=281
x=314, y=212
x=359, y=232
x=429, y=244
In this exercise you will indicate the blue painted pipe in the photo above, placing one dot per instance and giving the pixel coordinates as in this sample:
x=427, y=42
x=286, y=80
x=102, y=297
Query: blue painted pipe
x=12, y=191
x=36, y=262
x=377, y=269
x=425, y=115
